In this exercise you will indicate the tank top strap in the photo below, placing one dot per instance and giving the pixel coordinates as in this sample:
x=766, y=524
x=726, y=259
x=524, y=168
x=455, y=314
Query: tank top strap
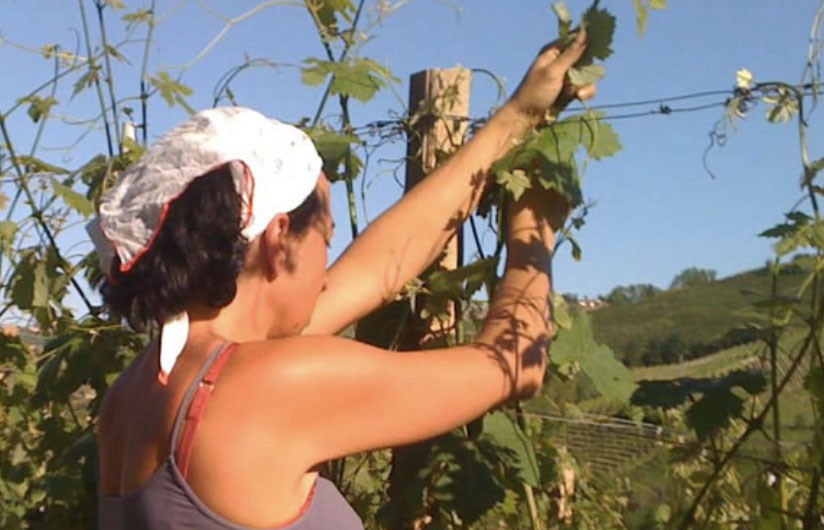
x=194, y=404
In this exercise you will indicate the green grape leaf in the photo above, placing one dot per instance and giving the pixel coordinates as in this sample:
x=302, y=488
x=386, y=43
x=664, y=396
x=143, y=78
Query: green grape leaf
x=586, y=74
x=30, y=284
x=713, y=411
x=463, y=281
x=560, y=312
x=73, y=199
x=600, y=27
x=562, y=12
x=814, y=383
x=547, y=156
x=139, y=16
x=86, y=80
x=564, y=21
x=515, y=181
x=641, y=15
x=170, y=90
x=35, y=165
x=664, y=394
x=114, y=52
x=598, y=137
x=116, y=4
x=359, y=78
x=327, y=12
x=717, y=404
x=611, y=378
x=8, y=230
x=518, y=449
x=333, y=148
x=38, y=107
x=642, y=11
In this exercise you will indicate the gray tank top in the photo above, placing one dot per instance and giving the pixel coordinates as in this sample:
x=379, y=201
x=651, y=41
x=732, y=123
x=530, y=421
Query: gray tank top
x=166, y=501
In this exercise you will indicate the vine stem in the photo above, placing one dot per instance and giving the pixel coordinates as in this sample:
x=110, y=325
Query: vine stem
x=34, y=145
x=144, y=75
x=528, y=491
x=38, y=216
x=350, y=186
x=229, y=23
x=109, y=74
x=344, y=105
x=93, y=65
x=777, y=456
x=344, y=53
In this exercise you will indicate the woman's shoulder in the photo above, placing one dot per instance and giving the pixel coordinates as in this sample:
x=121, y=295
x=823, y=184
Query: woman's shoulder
x=283, y=360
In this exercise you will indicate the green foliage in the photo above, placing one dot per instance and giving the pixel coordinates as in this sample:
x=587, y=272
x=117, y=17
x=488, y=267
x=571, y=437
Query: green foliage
x=38, y=107
x=358, y=77
x=632, y=329
x=611, y=378
x=715, y=408
x=547, y=157
x=631, y=293
x=692, y=276
x=518, y=450
x=172, y=91
x=73, y=199
x=329, y=14
x=335, y=149
x=642, y=11
x=600, y=27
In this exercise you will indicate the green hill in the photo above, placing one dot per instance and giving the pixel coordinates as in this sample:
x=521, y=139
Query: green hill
x=690, y=322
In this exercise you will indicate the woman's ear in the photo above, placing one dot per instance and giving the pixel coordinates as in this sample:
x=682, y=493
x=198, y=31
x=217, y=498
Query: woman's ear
x=274, y=249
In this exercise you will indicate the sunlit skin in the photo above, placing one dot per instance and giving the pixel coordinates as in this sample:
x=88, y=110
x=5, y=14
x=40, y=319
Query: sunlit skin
x=293, y=395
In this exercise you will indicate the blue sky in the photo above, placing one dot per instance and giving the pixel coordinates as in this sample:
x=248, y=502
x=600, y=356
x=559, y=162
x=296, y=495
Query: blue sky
x=657, y=210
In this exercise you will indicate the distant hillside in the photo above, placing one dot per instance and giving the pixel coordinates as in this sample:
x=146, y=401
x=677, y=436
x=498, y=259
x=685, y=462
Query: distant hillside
x=689, y=322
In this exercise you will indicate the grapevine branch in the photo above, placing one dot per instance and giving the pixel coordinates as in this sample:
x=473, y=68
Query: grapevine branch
x=92, y=67
x=38, y=216
x=109, y=74
x=755, y=423
x=144, y=75
x=229, y=23
x=344, y=105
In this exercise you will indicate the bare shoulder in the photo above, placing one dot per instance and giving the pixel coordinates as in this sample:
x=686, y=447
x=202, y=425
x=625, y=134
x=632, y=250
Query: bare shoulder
x=290, y=359
x=307, y=387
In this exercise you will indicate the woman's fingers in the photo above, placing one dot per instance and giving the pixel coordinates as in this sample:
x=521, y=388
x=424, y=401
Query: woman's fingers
x=586, y=92
x=573, y=51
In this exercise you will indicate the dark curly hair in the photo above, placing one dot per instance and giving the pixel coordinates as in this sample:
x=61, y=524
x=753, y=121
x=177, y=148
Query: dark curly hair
x=196, y=256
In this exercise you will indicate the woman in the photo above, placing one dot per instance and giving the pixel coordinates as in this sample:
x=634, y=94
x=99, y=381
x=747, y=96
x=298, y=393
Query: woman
x=219, y=233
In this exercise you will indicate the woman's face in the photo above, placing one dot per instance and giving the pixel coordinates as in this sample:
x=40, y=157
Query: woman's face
x=307, y=277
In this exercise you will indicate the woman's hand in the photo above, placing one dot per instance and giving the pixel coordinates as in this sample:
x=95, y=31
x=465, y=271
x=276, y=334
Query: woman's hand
x=545, y=86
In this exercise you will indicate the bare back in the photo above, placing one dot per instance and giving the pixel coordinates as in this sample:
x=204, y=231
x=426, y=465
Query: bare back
x=239, y=468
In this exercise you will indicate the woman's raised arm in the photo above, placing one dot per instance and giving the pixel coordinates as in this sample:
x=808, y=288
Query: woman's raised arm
x=345, y=397
x=403, y=241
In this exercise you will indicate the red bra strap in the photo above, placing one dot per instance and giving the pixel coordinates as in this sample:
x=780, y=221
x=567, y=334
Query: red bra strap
x=197, y=408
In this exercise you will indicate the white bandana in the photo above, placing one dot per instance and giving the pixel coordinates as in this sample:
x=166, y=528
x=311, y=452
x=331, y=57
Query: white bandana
x=279, y=167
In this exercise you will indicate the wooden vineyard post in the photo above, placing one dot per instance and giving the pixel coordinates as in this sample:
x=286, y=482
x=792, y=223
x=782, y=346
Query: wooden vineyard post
x=439, y=112
x=439, y=107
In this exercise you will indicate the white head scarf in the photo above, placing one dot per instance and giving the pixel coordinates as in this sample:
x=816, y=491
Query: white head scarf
x=274, y=166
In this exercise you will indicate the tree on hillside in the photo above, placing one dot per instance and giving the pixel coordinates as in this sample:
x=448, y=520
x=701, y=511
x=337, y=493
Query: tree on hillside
x=631, y=293
x=693, y=276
